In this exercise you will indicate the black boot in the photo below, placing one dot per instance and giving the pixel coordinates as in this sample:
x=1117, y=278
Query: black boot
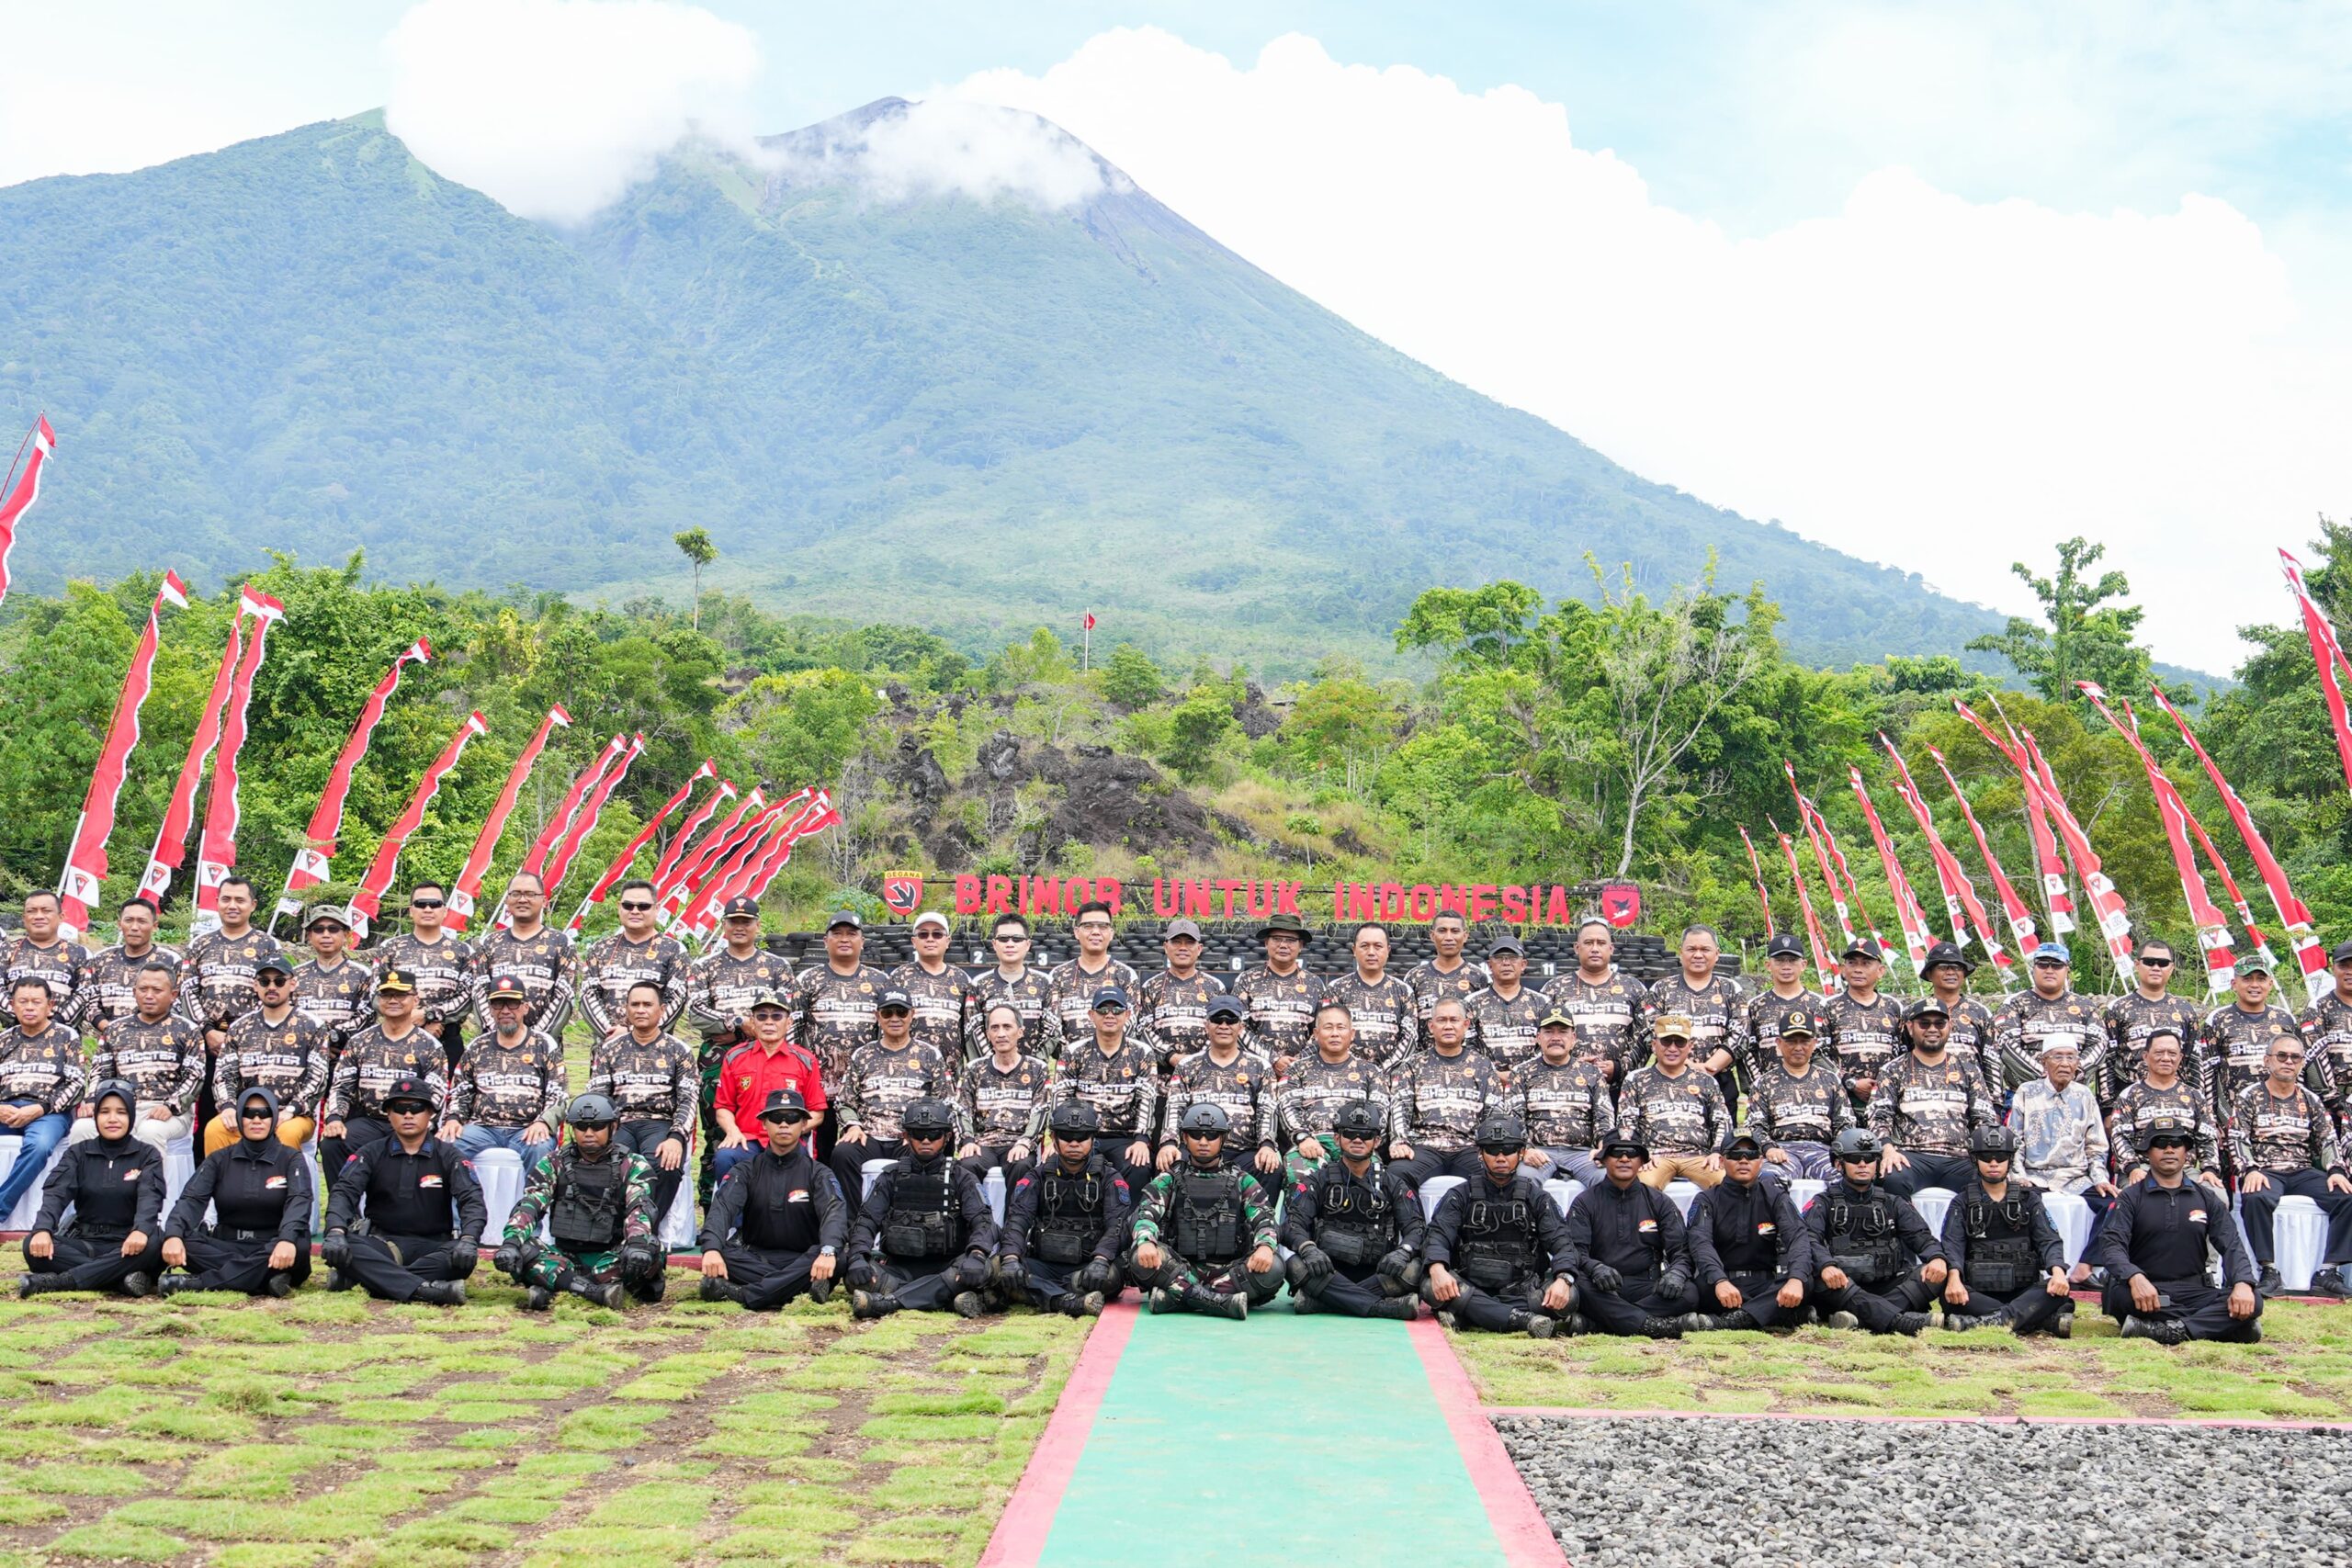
x=538, y=1298
x=722, y=1291
x=1403, y=1309
x=441, y=1293
x=1662, y=1327
x=280, y=1285
x=820, y=1290
x=2270, y=1285
x=871, y=1304
x=1911, y=1323
x=604, y=1295
x=139, y=1284
x=1217, y=1303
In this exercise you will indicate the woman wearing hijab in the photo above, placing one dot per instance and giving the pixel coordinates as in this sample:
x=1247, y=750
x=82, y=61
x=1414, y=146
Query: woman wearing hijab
x=259, y=1240
x=114, y=1184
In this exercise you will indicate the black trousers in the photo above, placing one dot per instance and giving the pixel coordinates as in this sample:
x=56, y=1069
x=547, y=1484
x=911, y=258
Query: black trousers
x=769, y=1277
x=1876, y=1306
x=1042, y=1284
x=2027, y=1310
x=2261, y=1212
x=359, y=1132
x=1950, y=1172
x=1231, y=1277
x=391, y=1267
x=1626, y=1308
x=96, y=1262
x=2198, y=1306
x=643, y=1138
x=453, y=1041
x=1356, y=1290
x=934, y=1291
x=1427, y=1163
x=1478, y=1307
x=848, y=1161
x=989, y=1159
x=1759, y=1298
x=218, y=1263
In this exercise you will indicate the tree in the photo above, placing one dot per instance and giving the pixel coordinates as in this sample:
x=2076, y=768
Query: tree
x=696, y=546
x=1130, y=679
x=2086, y=639
x=1199, y=723
x=802, y=728
x=1342, y=723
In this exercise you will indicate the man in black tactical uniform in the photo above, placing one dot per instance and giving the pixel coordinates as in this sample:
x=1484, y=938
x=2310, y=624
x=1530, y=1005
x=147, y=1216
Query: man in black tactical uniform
x=1204, y=1229
x=260, y=1192
x=596, y=1199
x=403, y=1187
x=777, y=1222
x=1631, y=1254
x=1880, y=1265
x=1749, y=1248
x=1354, y=1227
x=1499, y=1253
x=2155, y=1246
x=924, y=1236
x=1065, y=1222
x=114, y=1184
x=2008, y=1268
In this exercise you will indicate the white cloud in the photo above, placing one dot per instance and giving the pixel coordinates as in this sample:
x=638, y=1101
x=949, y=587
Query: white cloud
x=978, y=149
x=555, y=108
x=1941, y=383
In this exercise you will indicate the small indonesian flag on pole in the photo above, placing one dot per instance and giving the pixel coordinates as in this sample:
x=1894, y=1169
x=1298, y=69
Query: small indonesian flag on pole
x=80, y=888
x=43, y=442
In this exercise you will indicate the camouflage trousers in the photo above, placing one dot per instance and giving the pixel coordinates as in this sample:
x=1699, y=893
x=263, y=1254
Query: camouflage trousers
x=602, y=1267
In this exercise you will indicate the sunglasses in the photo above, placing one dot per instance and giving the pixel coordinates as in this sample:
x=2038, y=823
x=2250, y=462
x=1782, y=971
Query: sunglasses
x=2151, y=964
x=635, y=908
x=425, y=903
x=257, y=1113
x=1111, y=1008
x=1009, y=936
x=408, y=1108
x=789, y=1118
x=767, y=1015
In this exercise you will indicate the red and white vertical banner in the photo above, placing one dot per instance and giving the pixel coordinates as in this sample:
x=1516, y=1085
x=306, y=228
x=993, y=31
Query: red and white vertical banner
x=367, y=903
x=477, y=866
x=1824, y=965
x=27, y=489
x=216, y=853
x=2014, y=908
x=1909, y=917
x=668, y=864
x=630, y=851
x=312, y=861
x=171, y=835
x=535, y=860
x=585, y=822
x=2220, y=869
x=81, y=885
x=2212, y=926
x=1843, y=889
x=673, y=893
x=781, y=825
x=2328, y=654
x=719, y=856
x=2293, y=913
x=694, y=918
x=820, y=818
x=2106, y=903
x=1961, y=902
x=1757, y=868
x=2047, y=864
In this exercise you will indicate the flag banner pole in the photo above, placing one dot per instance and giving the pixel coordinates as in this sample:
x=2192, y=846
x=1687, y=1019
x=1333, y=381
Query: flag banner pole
x=216, y=853
x=468, y=887
x=81, y=887
x=311, y=862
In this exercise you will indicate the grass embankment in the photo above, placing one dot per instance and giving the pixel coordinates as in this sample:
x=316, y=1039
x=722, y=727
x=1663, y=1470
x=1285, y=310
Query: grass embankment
x=330, y=1427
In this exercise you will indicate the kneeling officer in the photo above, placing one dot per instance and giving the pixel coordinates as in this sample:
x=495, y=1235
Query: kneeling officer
x=925, y=1237
x=1205, y=1231
x=2009, y=1266
x=1355, y=1228
x=405, y=1187
x=777, y=1222
x=1499, y=1253
x=1065, y=1222
x=597, y=1201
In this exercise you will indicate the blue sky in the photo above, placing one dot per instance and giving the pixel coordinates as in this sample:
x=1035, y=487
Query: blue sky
x=1898, y=274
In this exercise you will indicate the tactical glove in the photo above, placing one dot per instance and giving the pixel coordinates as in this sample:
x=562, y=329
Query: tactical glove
x=861, y=1275
x=1673, y=1282
x=1601, y=1277
x=464, y=1256
x=972, y=1270
x=640, y=1259
x=1398, y=1265
x=507, y=1259
x=335, y=1249
x=1098, y=1275
x=1316, y=1264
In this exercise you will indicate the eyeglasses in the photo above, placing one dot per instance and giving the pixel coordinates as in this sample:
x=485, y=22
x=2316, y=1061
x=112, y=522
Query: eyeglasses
x=635, y=908
x=1092, y=926
x=2288, y=1055
x=2050, y=964
x=767, y=1015
x=425, y=903
x=930, y=933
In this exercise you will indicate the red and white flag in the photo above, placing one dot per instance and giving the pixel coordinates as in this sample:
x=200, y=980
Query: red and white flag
x=1960, y=903
x=171, y=835
x=2328, y=654
x=1756, y=866
x=630, y=851
x=1909, y=917
x=2107, y=903
x=477, y=866
x=1844, y=891
x=368, y=902
x=311, y=862
x=695, y=919
x=2047, y=864
x=821, y=817
x=585, y=823
x=781, y=825
x=82, y=886
x=26, y=491
x=699, y=859
x=535, y=860
x=711, y=865
x=1823, y=966
x=216, y=853
x=2212, y=926
x=668, y=864
x=2014, y=908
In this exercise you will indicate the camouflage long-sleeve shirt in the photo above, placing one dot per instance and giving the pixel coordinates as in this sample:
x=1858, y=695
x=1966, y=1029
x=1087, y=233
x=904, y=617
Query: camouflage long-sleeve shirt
x=1004, y=1106
x=372, y=1061
x=2139, y=1106
x=2327, y=1035
x=1786, y=1109
x=218, y=983
x=1502, y=1029
x=1281, y=1009
x=2237, y=1043
x=881, y=1083
x=1388, y=1025
x=1612, y=1018
x=1716, y=1011
x=1930, y=1108
x=542, y=961
x=649, y=1080
x=1972, y=1036
x=1123, y=1086
x=1151, y=1222
x=1172, y=1011
x=339, y=999
x=837, y=1014
x=289, y=1058
x=1438, y=1100
x=1758, y=1031
x=1862, y=1035
x=552, y=1170
x=59, y=965
x=1244, y=1086
x=1030, y=992
x=719, y=988
x=443, y=972
x=102, y=991
x=612, y=965
x=942, y=1009
x=2128, y=1020
x=2277, y=1134
x=1310, y=1095
x=1567, y=1106
x=1430, y=986
x=45, y=1067
x=510, y=1086
x=1071, y=998
x=1682, y=1115
x=2030, y=1017
x=162, y=1061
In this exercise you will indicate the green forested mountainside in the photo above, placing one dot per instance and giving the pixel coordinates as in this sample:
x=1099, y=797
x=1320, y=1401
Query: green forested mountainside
x=973, y=416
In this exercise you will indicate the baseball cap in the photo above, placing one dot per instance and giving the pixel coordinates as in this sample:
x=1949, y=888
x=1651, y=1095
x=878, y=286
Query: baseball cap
x=1506, y=945
x=782, y=1103
x=1673, y=1026
x=771, y=997
x=1863, y=947
x=1784, y=946
x=508, y=988
x=1107, y=995
x=931, y=917
x=336, y=912
x=1224, y=1005
x=1927, y=1006
x=894, y=999
x=1799, y=1025
x=1175, y=929
x=2343, y=951
x=396, y=980
x=2253, y=963
x=409, y=1089
x=2054, y=951
x=742, y=908
x=274, y=964
x=1556, y=1016
x=849, y=917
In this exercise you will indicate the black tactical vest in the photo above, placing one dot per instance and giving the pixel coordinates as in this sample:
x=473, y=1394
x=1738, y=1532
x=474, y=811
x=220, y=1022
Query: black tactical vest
x=586, y=1215
x=1496, y=1244
x=924, y=1221
x=1861, y=1237
x=1208, y=1214
x=1069, y=1215
x=2003, y=1262
x=1354, y=1223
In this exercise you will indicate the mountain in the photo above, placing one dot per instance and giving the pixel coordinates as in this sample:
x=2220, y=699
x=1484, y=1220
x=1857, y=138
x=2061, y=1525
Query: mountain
x=971, y=414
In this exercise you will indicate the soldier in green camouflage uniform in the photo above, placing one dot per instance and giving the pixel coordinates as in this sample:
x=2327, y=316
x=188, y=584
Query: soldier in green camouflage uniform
x=597, y=1200
x=1205, y=1230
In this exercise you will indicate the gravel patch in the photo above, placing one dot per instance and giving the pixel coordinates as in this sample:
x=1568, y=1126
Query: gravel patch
x=1760, y=1494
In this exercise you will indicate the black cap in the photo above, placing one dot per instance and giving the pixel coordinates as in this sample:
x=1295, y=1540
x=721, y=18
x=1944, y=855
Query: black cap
x=1927, y=1006
x=742, y=908
x=771, y=997
x=1555, y=1015
x=276, y=961
x=396, y=980
x=894, y=998
x=1506, y=945
x=508, y=988
x=1624, y=1143
x=2343, y=953
x=1225, y=1004
x=1108, y=995
x=2168, y=1130
x=1801, y=1024
x=1863, y=947
x=1742, y=1137
x=781, y=1100
x=1784, y=946
x=1946, y=952
x=409, y=1089
x=849, y=917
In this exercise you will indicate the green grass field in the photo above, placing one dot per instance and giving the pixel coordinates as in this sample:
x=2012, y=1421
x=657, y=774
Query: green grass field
x=2302, y=1370
x=265, y=1434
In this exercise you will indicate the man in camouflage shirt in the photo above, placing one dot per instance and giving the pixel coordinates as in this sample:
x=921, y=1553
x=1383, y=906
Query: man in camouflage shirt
x=1928, y=1103
x=1503, y=1014
x=1075, y=981
x=443, y=965
x=2163, y=1094
x=1224, y=1073
x=2284, y=1145
x=648, y=1075
x=276, y=1048
x=637, y=953
x=331, y=989
x=1002, y=1100
x=1171, y=1010
x=41, y=1076
x=102, y=991
x=721, y=986
x=2238, y=1037
x=1119, y=1076
x=2328, y=1032
x=1565, y=1104
x=1447, y=974
x=1799, y=1105
x=1204, y=1239
x=943, y=995
x=158, y=1053
x=2131, y=1018
x=533, y=952
x=1612, y=1010
x=1713, y=1004
x=837, y=998
x=1387, y=1015
x=217, y=983
x=1865, y=1028
x=1310, y=1094
x=598, y=1200
x=1762, y=1015
x=2051, y=1007
x=1280, y=995
x=39, y=951
x=883, y=1079
x=1675, y=1110
x=394, y=1047
x=508, y=1090
x=1439, y=1099
x=1012, y=979
x=1947, y=971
